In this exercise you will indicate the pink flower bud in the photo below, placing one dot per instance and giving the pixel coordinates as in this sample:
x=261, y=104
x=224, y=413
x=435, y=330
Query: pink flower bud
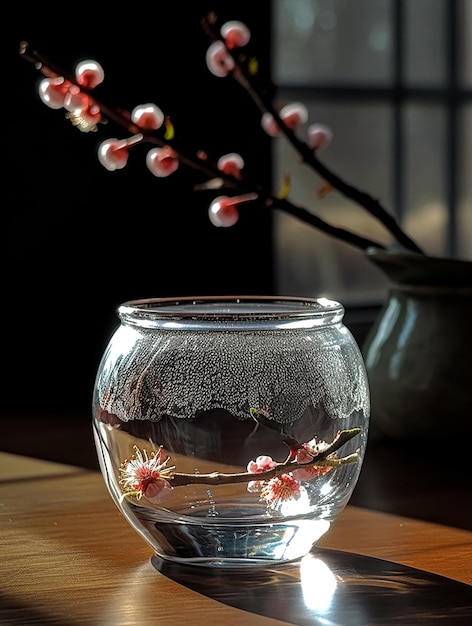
x=89, y=74
x=162, y=161
x=148, y=116
x=231, y=164
x=235, y=33
x=113, y=153
x=294, y=114
x=223, y=212
x=76, y=100
x=218, y=59
x=53, y=91
x=319, y=136
x=270, y=126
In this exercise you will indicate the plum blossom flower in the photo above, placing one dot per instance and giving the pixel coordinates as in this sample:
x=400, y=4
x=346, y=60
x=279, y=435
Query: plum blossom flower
x=146, y=475
x=261, y=464
x=279, y=489
x=83, y=111
x=307, y=454
x=311, y=471
x=313, y=448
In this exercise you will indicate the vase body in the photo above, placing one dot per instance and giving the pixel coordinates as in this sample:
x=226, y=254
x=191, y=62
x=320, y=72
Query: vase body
x=196, y=398
x=418, y=353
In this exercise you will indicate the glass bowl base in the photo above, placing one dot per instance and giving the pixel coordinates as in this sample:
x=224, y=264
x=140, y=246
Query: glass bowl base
x=224, y=544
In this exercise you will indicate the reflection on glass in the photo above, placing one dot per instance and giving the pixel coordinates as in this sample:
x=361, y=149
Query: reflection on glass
x=332, y=40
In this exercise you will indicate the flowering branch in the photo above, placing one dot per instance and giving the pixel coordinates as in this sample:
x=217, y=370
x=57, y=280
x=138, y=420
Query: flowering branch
x=120, y=117
x=148, y=124
x=309, y=157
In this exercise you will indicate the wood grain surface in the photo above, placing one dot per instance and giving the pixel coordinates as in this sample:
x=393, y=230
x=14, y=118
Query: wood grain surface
x=69, y=557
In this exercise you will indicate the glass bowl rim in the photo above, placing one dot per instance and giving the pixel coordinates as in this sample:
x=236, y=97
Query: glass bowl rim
x=233, y=311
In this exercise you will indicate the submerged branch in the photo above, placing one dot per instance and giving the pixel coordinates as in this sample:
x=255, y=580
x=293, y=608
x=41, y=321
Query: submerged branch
x=179, y=479
x=218, y=478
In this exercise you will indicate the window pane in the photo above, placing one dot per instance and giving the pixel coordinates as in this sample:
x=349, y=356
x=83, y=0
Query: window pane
x=425, y=42
x=334, y=43
x=425, y=165
x=465, y=21
x=465, y=186
x=316, y=264
x=326, y=41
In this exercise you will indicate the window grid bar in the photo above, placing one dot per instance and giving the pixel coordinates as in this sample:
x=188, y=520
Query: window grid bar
x=452, y=129
x=451, y=98
x=398, y=174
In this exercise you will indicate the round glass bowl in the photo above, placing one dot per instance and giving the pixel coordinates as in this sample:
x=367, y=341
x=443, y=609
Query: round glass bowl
x=231, y=431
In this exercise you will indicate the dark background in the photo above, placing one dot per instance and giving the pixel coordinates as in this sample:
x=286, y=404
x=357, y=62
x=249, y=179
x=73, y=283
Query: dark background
x=77, y=239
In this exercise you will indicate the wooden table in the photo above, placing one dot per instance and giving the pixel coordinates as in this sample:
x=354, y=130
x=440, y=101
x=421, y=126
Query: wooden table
x=69, y=557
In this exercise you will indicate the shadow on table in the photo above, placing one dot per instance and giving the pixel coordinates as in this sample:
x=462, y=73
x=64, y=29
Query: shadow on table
x=332, y=587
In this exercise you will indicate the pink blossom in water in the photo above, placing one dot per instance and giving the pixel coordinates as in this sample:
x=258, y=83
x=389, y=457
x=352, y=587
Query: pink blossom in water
x=307, y=454
x=146, y=475
x=261, y=464
x=281, y=488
